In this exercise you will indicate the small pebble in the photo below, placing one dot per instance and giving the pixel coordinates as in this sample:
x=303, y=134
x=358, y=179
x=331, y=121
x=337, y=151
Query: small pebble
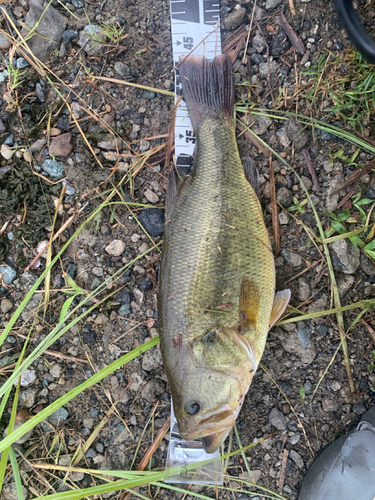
x=115, y=248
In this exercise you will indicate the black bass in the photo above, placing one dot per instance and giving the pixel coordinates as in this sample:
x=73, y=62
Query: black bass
x=217, y=278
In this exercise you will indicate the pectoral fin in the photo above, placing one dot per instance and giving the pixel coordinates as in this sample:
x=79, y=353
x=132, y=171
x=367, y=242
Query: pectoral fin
x=249, y=305
x=279, y=305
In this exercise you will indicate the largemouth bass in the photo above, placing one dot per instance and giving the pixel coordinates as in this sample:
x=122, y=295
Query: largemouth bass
x=217, y=278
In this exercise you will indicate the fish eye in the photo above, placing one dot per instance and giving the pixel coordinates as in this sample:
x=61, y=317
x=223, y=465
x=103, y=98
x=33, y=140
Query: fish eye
x=192, y=408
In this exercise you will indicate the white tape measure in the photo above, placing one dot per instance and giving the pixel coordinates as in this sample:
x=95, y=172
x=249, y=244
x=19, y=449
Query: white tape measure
x=196, y=30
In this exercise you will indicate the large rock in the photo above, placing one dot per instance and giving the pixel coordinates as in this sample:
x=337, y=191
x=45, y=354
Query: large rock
x=50, y=25
x=298, y=342
x=345, y=256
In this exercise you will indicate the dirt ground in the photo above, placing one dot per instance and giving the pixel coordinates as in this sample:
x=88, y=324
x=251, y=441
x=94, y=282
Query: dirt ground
x=280, y=401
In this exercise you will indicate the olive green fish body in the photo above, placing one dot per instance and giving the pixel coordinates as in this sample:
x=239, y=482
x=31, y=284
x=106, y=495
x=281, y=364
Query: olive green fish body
x=216, y=285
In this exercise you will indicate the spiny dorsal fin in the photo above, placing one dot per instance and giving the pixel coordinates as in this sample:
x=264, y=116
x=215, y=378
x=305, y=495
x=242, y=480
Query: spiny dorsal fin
x=249, y=305
x=280, y=302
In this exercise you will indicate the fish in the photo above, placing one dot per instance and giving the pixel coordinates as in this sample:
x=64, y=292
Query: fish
x=216, y=297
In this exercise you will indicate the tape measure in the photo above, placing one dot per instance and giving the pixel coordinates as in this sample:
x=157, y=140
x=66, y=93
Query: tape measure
x=195, y=30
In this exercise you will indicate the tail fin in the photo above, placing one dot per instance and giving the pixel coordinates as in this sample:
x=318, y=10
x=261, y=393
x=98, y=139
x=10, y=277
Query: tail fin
x=207, y=87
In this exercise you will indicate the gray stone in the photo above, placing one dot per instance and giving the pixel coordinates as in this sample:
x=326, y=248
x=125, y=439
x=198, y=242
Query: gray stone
x=38, y=145
x=151, y=196
x=284, y=197
x=152, y=359
x=294, y=438
x=2, y=126
x=3, y=76
x=296, y=133
x=22, y=63
x=115, y=248
x=54, y=168
x=283, y=138
x=344, y=283
x=99, y=448
x=55, y=370
x=256, y=59
x=297, y=459
x=345, y=257
x=261, y=124
x=152, y=219
x=235, y=18
x=77, y=110
x=304, y=291
x=124, y=310
x=91, y=40
x=277, y=419
x=111, y=145
x=272, y=67
x=69, y=189
x=6, y=306
x=293, y=259
x=4, y=42
x=333, y=199
x=271, y=4
x=60, y=145
x=299, y=343
x=49, y=23
x=319, y=305
x=69, y=35
x=329, y=405
x=9, y=492
x=153, y=389
x=359, y=408
x=8, y=274
x=122, y=69
x=28, y=377
x=27, y=398
x=258, y=43
x=367, y=266
x=55, y=419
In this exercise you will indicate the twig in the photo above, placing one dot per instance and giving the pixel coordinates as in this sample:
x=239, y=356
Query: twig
x=355, y=176
x=310, y=166
x=292, y=35
x=292, y=8
x=283, y=469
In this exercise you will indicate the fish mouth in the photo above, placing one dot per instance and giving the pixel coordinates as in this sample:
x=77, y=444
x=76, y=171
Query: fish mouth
x=212, y=442
x=213, y=428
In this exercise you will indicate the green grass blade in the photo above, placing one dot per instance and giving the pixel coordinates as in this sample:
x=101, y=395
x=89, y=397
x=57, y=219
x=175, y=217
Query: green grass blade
x=16, y=474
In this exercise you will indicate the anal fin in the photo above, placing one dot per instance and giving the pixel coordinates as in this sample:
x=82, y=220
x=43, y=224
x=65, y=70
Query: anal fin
x=251, y=173
x=280, y=302
x=249, y=305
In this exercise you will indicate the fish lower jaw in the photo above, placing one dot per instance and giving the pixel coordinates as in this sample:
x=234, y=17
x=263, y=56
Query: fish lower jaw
x=211, y=438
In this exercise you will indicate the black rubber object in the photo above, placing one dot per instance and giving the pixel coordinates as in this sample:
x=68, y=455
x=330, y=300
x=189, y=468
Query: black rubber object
x=357, y=33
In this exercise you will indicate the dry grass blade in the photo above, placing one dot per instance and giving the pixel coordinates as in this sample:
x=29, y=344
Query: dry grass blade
x=124, y=82
x=275, y=215
x=148, y=455
x=292, y=8
x=355, y=176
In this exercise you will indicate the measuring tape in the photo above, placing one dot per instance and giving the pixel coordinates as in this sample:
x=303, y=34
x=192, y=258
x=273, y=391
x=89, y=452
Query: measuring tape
x=196, y=30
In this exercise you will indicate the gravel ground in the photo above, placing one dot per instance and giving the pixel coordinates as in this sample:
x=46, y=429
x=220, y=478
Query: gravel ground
x=296, y=356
